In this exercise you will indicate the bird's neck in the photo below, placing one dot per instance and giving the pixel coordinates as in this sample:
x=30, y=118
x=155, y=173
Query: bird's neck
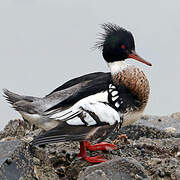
x=117, y=66
x=132, y=78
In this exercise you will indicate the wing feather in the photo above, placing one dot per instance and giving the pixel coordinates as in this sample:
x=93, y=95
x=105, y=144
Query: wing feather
x=78, y=80
x=98, y=84
x=64, y=132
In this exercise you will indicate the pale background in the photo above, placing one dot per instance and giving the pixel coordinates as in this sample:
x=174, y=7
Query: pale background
x=46, y=42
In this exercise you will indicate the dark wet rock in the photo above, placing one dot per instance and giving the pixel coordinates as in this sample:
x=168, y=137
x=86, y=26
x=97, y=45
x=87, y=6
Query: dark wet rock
x=15, y=161
x=120, y=168
x=6, y=151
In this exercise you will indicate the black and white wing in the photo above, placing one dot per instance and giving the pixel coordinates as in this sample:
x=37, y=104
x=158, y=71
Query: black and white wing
x=98, y=84
x=86, y=121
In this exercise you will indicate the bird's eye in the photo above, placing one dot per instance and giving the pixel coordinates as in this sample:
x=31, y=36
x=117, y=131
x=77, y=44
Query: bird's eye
x=123, y=46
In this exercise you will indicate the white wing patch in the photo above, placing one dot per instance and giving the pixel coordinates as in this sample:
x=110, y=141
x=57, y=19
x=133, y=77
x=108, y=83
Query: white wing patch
x=75, y=121
x=112, y=86
x=114, y=93
x=102, y=111
x=114, y=98
x=99, y=97
x=117, y=104
x=81, y=112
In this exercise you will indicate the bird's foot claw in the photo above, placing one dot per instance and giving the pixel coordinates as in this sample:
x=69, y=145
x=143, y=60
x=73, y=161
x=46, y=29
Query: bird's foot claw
x=122, y=136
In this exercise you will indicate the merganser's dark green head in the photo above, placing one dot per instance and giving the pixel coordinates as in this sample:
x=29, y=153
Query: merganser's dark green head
x=117, y=44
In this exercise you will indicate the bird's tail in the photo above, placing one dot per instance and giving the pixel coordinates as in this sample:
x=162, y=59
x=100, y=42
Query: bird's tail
x=13, y=97
x=31, y=108
x=19, y=102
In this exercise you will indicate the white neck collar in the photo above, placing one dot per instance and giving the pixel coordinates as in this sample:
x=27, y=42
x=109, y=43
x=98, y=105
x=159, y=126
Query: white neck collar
x=117, y=66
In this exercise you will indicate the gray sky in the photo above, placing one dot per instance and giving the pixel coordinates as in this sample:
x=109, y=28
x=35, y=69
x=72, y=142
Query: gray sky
x=43, y=43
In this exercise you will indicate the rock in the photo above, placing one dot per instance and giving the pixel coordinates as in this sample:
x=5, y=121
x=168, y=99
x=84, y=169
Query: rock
x=177, y=174
x=170, y=130
x=178, y=154
x=15, y=128
x=159, y=122
x=15, y=161
x=7, y=149
x=157, y=127
x=158, y=157
x=176, y=115
x=120, y=168
x=155, y=161
x=96, y=175
x=150, y=152
x=138, y=131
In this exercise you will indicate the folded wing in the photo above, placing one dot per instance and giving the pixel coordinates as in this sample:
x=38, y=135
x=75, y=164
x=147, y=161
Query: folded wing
x=88, y=121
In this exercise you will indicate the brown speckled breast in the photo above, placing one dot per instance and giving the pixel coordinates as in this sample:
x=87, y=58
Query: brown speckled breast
x=135, y=80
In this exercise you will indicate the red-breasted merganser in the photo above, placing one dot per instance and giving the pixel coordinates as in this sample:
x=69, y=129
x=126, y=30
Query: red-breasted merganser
x=93, y=105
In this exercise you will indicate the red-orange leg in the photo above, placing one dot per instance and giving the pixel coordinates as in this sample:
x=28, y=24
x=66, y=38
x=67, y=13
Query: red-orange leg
x=83, y=154
x=103, y=146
